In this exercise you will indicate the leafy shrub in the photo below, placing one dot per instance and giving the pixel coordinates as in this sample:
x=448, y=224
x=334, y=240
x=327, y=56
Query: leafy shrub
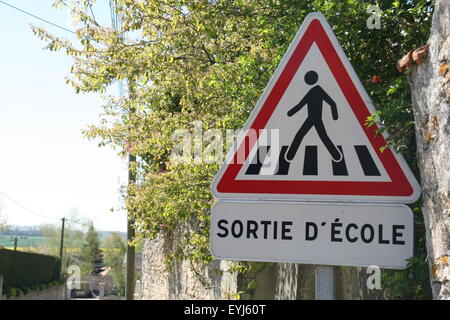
x=11, y=292
x=25, y=289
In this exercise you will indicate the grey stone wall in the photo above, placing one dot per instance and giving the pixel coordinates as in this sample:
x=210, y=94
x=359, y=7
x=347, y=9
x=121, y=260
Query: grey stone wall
x=181, y=281
x=287, y=281
x=53, y=293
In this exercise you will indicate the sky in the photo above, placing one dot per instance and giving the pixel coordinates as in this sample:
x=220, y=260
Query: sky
x=46, y=166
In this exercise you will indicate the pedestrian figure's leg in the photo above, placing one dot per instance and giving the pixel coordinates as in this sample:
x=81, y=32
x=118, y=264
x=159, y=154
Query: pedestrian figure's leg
x=307, y=125
x=332, y=149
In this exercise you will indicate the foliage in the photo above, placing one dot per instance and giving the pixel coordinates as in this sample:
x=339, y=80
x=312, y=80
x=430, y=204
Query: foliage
x=413, y=282
x=11, y=292
x=91, y=253
x=24, y=290
x=73, y=239
x=115, y=249
x=185, y=61
x=24, y=243
x=3, y=222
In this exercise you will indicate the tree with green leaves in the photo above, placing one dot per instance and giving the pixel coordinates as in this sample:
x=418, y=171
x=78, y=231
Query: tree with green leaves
x=114, y=253
x=191, y=62
x=3, y=222
x=91, y=254
x=73, y=238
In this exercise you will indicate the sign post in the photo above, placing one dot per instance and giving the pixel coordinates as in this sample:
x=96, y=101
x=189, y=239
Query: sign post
x=325, y=283
x=307, y=182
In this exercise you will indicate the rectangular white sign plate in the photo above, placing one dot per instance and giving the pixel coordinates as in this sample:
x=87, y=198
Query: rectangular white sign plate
x=313, y=233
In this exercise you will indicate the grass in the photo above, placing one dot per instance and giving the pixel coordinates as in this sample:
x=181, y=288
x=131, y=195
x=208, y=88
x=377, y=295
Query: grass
x=22, y=241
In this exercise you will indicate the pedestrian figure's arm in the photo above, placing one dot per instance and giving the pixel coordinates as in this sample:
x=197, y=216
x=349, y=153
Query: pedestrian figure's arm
x=332, y=104
x=298, y=107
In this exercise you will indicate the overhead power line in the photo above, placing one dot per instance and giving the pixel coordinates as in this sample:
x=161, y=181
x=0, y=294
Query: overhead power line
x=34, y=212
x=25, y=208
x=36, y=17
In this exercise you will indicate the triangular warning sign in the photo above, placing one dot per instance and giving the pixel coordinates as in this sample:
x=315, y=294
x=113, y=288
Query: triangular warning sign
x=306, y=139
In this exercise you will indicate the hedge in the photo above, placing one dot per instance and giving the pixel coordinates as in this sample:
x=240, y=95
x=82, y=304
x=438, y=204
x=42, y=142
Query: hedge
x=28, y=269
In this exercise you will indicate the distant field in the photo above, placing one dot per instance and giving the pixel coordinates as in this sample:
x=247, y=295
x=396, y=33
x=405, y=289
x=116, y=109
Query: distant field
x=27, y=241
x=22, y=241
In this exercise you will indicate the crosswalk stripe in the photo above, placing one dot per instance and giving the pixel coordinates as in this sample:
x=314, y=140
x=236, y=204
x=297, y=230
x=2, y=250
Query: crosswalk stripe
x=255, y=167
x=283, y=165
x=340, y=168
x=310, y=164
x=310, y=167
x=368, y=165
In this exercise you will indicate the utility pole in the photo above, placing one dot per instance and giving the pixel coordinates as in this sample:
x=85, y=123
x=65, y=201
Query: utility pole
x=15, y=243
x=62, y=240
x=131, y=277
x=129, y=288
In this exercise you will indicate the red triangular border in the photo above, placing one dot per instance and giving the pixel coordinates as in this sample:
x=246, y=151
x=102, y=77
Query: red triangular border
x=399, y=185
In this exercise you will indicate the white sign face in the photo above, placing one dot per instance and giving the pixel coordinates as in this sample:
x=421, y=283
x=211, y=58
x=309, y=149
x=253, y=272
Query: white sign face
x=307, y=140
x=313, y=233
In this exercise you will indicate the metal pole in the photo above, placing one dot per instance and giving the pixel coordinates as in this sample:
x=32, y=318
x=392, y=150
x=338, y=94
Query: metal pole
x=62, y=240
x=325, y=286
x=61, y=247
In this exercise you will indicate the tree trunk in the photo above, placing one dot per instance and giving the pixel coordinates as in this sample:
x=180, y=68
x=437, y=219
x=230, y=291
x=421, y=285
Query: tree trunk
x=430, y=86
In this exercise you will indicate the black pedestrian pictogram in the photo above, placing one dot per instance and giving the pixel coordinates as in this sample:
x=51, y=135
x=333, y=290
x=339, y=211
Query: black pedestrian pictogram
x=314, y=100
